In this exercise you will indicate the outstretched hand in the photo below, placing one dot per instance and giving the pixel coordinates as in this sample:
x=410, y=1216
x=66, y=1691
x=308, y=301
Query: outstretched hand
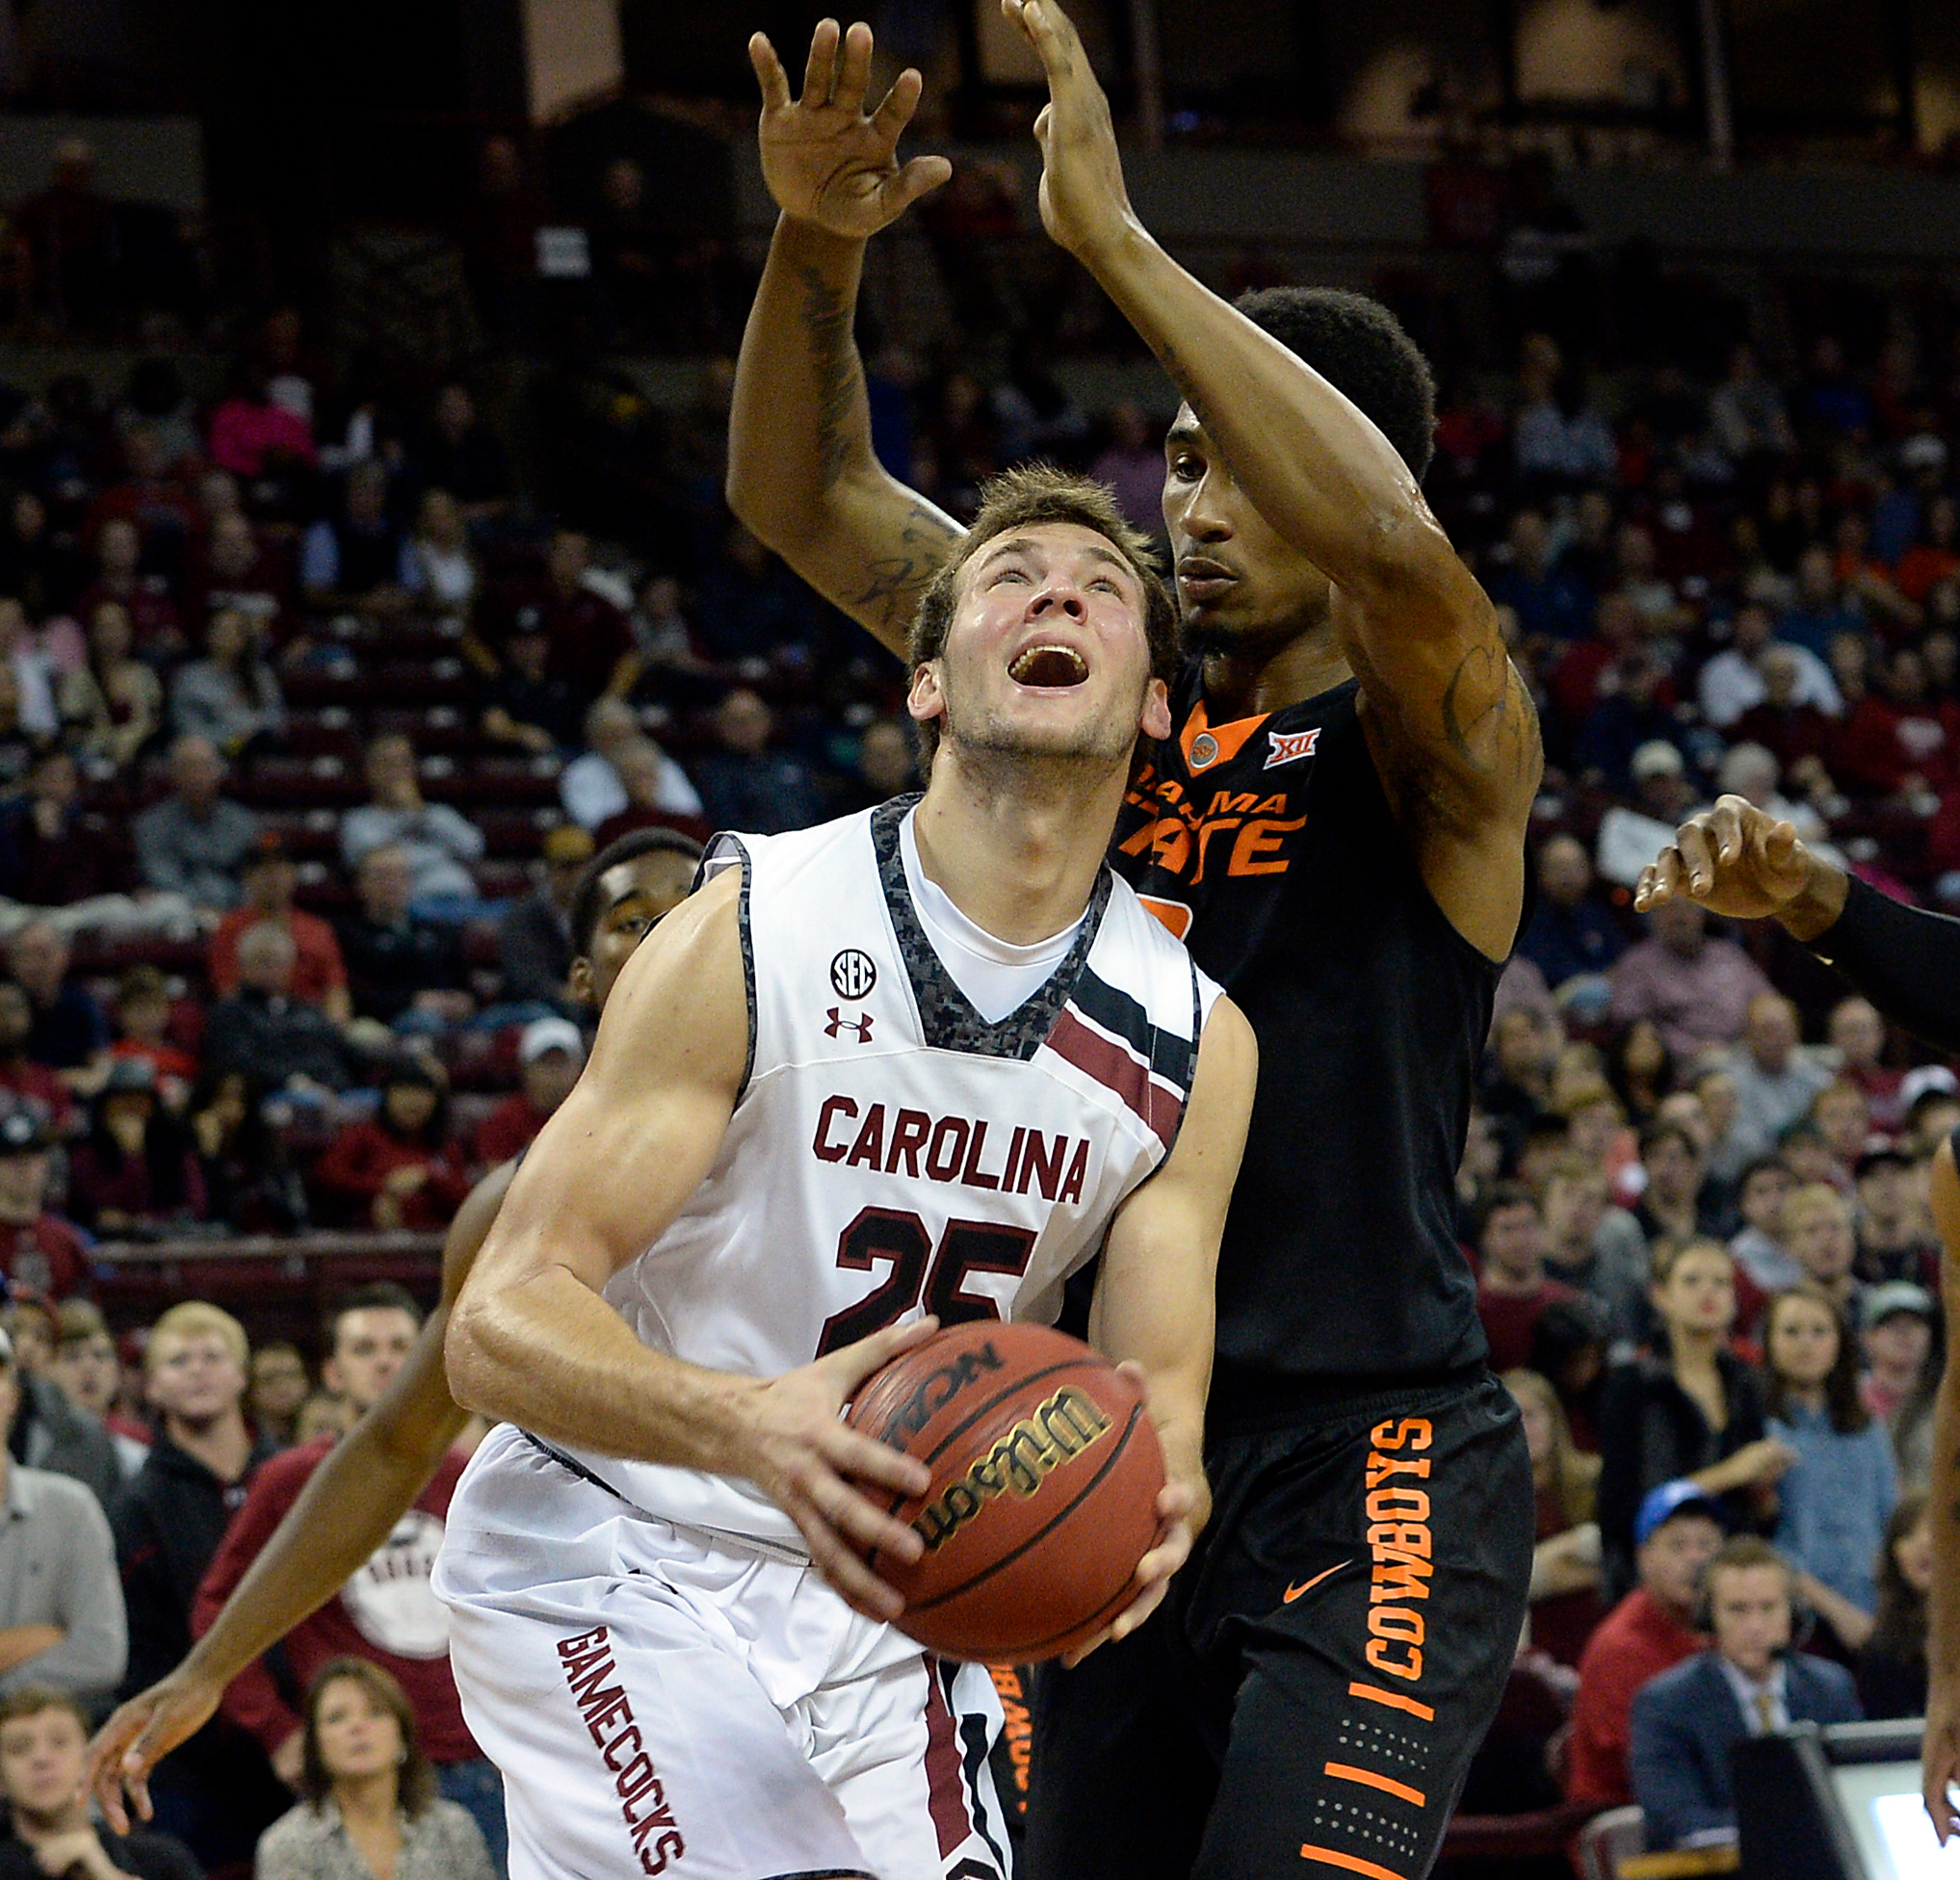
x=140, y=1733
x=1737, y=861
x=826, y=161
x=1083, y=201
x=1940, y=1757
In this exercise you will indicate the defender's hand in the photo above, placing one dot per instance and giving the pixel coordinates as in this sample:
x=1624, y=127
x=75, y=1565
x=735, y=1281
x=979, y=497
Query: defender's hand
x=1735, y=860
x=1940, y=1754
x=824, y=159
x=139, y=1736
x=794, y=1446
x=1083, y=202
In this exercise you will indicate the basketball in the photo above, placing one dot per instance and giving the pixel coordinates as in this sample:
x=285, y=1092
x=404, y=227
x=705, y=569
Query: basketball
x=1045, y=1476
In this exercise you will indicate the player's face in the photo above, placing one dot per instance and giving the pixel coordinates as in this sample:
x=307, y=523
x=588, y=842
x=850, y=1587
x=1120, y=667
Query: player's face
x=1237, y=581
x=1046, y=656
x=635, y=896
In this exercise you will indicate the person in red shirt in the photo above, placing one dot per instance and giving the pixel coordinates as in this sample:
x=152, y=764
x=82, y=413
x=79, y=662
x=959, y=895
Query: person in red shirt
x=142, y=1023
x=1676, y=1534
x=39, y=1251
x=1512, y=1291
x=401, y=1167
x=385, y=1613
x=550, y=1054
x=319, y=974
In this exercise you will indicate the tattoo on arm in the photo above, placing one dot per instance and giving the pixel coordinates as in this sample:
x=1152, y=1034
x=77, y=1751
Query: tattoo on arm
x=1488, y=717
x=894, y=583
x=827, y=316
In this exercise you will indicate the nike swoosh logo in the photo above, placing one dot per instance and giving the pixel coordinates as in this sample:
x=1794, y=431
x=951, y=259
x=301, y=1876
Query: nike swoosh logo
x=1292, y=1593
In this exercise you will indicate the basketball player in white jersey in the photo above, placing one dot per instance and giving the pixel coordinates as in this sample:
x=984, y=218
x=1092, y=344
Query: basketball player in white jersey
x=916, y=1065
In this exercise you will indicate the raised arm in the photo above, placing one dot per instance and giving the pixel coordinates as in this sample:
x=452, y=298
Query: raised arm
x=1940, y=1767
x=1154, y=1307
x=802, y=473
x=532, y=1340
x=1452, y=724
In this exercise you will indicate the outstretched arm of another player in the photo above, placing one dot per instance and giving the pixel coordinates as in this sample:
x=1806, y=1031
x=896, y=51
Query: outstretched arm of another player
x=1940, y=1753
x=802, y=473
x=1155, y=1308
x=532, y=1340
x=348, y=1508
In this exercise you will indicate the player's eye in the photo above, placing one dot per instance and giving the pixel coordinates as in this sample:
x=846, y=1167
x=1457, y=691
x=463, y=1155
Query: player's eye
x=1185, y=468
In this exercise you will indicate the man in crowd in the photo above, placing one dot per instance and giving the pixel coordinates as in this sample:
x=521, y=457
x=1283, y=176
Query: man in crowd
x=1816, y=1229
x=44, y=1767
x=437, y=842
x=1675, y=1535
x=400, y=967
x=217, y=1793
x=535, y=942
x=279, y=1041
x=385, y=1613
x=70, y=1035
x=194, y=842
x=1775, y=1083
x=1892, y=1240
x=319, y=974
x=1762, y=1255
x=744, y=783
x=1696, y=990
x=1513, y=1292
x=550, y=1054
x=40, y=1252
x=1570, y=932
x=60, y=1609
x=1594, y=1247
x=1748, y=1683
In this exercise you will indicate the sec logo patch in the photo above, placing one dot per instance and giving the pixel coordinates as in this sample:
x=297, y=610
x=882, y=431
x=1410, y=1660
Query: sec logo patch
x=853, y=974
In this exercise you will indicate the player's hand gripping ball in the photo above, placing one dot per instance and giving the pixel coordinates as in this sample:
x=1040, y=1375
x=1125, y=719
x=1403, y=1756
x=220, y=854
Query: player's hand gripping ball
x=1045, y=1476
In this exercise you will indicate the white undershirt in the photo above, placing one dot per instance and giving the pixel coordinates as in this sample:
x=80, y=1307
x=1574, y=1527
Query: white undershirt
x=997, y=977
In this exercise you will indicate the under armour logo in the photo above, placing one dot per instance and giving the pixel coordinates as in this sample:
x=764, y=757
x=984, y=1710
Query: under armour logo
x=1289, y=746
x=838, y=1023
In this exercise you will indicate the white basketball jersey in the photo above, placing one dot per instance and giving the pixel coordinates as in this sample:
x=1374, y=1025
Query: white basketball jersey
x=891, y=1153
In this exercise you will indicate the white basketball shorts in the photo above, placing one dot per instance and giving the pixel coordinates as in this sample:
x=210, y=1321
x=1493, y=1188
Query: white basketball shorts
x=666, y=1701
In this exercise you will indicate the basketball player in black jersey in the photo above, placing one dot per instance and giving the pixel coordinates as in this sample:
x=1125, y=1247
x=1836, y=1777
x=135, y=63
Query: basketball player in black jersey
x=1336, y=827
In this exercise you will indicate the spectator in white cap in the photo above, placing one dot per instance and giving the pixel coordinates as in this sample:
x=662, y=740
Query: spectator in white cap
x=1895, y=1324
x=550, y=1056
x=1931, y=1096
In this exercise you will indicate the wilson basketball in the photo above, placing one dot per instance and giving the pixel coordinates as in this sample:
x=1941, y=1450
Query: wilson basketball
x=1045, y=1476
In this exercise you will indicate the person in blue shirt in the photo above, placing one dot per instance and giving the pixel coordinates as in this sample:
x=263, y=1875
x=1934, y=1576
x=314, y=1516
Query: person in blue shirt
x=1839, y=1495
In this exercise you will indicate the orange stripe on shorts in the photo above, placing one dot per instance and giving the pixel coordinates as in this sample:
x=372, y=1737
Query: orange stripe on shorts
x=1394, y=1699
x=1353, y=1863
x=1348, y=1772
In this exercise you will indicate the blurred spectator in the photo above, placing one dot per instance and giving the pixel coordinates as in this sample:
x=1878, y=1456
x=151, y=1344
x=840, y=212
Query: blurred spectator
x=461, y=457
x=40, y=1252
x=229, y=697
x=1592, y=1246
x=641, y=767
x=1838, y=1493
x=1675, y=1534
x=591, y=645
x=1131, y=464
x=1856, y=1033
x=319, y=973
x=1896, y=1321
x=1747, y=1684
x=534, y=939
x=238, y=576
x=1842, y=1121
x=436, y=841
x=135, y=1173
x=401, y=1167
x=278, y=1386
x=499, y=235
x=400, y=966
x=70, y=233
x=549, y=1057
x=194, y=842
x=1528, y=578
x=1732, y=679
x=751, y=606
x=1816, y=1229
x=155, y=629
x=53, y=849
x=1517, y=1082
x=525, y=704
x=1696, y=990
x=61, y=1614
x=143, y=1024
x=369, y=1800
x=114, y=704
x=356, y=558
x=1775, y=1083
x=89, y=1373
x=1892, y=1668
x=1747, y=412
x=590, y=788
x=743, y=783
x=168, y=1523
x=32, y=679
x=1672, y=1203
x=1512, y=1291
x=1820, y=611
x=43, y=1781
x=1640, y=1069
x=1570, y=932
x=438, y=567
x=1760, y=1246
x=263, y=1033
x=1691, y=1409
x=248, y=1176
x=1565, y=1561
x=253, y=434
x=887, y=766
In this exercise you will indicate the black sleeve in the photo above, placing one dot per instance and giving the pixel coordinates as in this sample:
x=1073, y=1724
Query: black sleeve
x=1622, y=1404
x=1906, y=960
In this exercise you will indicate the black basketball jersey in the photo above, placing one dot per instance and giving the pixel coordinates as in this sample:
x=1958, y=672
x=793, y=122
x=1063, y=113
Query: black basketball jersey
x=1268, y=847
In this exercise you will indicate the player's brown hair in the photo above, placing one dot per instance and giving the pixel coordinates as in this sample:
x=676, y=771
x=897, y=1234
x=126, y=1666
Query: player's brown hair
x=1033, y=493
x=415, y=1784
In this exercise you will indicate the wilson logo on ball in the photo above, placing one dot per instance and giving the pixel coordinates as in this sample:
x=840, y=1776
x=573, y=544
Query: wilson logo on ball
x=1061, y=1429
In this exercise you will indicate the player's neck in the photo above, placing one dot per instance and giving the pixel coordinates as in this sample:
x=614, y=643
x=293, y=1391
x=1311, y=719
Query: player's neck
x=1268, y=675
x=1017, y=857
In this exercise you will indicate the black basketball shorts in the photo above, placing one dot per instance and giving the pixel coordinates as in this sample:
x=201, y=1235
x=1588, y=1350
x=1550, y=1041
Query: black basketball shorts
x=1307, y=1699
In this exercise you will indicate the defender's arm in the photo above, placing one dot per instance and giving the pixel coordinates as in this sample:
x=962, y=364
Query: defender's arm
x=1940, y=1767
x=531, y=1340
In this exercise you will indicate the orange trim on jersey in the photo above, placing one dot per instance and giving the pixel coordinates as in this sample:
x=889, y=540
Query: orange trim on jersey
x=1348, y=1772
x=1394, y=1699
x=1231, y=738
x=1353, y=1863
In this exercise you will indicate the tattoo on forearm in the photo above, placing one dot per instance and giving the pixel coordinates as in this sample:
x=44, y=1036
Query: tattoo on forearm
x=1488, y=716
x=894, y=583
x=827, y=317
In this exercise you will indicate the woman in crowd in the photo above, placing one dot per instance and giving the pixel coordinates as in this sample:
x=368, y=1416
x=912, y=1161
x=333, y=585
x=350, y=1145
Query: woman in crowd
x=135, y=1172
x=249, y=1178
x=1671, y=1205
x=370, y=1810
x=1565, y=1563
x=1692, y=1408
x=1840, y=1493
x=438, y=567
x=113, y=705
x=402, y=1166
x=1640, y=1068
x=230, y=696
x=1892, y=1668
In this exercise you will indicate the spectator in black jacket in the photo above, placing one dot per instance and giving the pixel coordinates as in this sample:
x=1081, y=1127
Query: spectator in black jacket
x=169, y=1522
x=745, y=784
x=397, y=966
x=261, y=1030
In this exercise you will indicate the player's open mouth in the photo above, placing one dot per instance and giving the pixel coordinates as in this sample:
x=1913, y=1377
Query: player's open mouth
x=1048, y=665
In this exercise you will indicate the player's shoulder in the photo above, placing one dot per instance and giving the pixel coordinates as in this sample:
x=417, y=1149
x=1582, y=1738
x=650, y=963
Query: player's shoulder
x=786, y=852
